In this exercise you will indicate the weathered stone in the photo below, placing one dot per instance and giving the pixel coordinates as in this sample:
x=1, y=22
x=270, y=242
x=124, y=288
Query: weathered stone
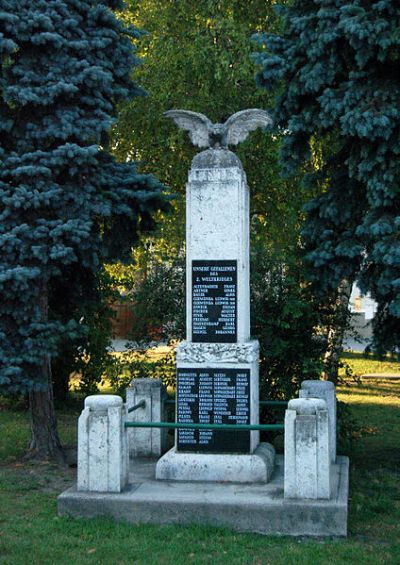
x=102, y=450
x=326, y=391
x=228, y=468
x=226, y=353
x=204, y=133
x=243, y=507
x=217, y=227
x=307, y=455
x=146, y=442
x=306, y=405
x=222, y=357
x=217, y=367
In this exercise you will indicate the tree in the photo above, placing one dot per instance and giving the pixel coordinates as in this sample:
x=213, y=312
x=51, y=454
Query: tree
x=335, y=68
x=66, y=203
x=198, y=57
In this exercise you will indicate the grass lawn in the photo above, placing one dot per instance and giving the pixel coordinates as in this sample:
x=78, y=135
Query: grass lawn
x=32, y=533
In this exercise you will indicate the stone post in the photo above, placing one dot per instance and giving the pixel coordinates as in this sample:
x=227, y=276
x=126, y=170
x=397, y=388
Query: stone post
x=326, y=391
x=307, y=458
x=102, y=448
x=146, y=442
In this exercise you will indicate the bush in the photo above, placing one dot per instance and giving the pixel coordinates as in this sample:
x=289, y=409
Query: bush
x=284, y=320
x=141, y=364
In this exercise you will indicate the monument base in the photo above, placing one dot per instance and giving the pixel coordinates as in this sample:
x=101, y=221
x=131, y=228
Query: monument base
x=256, y=467
x=242, y=507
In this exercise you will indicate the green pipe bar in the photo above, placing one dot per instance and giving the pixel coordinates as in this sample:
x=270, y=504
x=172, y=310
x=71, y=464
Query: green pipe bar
x=222, y=427
x=141, y=404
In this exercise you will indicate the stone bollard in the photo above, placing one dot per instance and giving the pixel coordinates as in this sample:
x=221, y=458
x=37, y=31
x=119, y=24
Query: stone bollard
x=146, y=442
x=307, y=458
x=326, y=391
x=102, y=447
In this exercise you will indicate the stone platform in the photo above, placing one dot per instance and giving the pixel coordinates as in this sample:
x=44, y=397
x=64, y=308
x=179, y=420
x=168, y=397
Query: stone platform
x=258, y=508
x=256, y=467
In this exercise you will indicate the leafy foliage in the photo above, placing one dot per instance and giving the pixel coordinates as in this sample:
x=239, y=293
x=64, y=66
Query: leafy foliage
x=65, y=203
x=284, y=320
x=159, y=299
x=335, y=67
x=142, y=364
x=198, y=57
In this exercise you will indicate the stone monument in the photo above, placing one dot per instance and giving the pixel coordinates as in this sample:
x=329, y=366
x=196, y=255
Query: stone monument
x=217, y=385
x=217, y=365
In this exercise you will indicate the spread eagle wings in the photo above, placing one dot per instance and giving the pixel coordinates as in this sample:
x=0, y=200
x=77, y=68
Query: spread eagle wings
x=202, y=131
x=198, y=125
x=239, y=125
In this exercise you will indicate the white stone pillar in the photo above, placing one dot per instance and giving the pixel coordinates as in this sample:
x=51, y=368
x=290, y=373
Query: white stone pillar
x=325, y=390
x=146, y=442
x=307, y=457
x=217, y=227
x=217, y=231
x=102, y=448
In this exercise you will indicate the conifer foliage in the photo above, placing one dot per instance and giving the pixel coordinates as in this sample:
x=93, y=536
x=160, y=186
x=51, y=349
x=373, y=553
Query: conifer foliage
x=337, y=65
x=65, y=203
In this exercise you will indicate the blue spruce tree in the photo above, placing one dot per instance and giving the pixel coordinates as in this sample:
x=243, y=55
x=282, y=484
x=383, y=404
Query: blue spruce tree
x=65, y=203
x=336, y=67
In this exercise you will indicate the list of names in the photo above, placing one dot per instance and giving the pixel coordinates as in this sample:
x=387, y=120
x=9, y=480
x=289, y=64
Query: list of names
x=213, y=396
x=214, y=301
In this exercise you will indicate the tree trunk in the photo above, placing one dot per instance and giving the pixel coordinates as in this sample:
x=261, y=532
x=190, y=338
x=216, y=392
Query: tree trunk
x=44, y=443
x=336, y=333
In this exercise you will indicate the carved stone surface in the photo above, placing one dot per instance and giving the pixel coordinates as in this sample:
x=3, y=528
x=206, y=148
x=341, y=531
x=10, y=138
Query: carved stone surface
x=203, y=133
x=307, y=456
x=217, y=229
x=102, y=448
x=325, y=390
x=211, y=165
x=188, y=352
x=228, y=468
x=146, y=442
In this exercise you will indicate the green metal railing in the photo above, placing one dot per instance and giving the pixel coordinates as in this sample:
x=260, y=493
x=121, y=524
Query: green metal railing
x=222, y=427
x=191, y=426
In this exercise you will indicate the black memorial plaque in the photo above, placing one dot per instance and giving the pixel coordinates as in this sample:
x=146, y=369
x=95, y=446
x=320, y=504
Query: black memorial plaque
x=214, y=301
x=213, y=396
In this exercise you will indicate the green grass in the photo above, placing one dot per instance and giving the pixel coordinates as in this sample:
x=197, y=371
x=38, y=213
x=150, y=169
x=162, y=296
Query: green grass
x=364, y=364
x=32, y=533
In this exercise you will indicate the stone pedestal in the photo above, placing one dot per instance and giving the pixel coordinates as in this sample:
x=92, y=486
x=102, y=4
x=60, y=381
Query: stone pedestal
x=326, y=391
x=217, y=366
x=102, y=449
x=226, y=468
x=307, y=455
x=225, y=390
x=146, y=442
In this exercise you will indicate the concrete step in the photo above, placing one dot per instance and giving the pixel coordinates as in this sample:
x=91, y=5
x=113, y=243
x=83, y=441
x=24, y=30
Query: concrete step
x=257, y=508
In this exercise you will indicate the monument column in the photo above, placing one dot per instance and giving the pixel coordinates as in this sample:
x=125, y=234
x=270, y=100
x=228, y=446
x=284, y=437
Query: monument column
x=217, y=365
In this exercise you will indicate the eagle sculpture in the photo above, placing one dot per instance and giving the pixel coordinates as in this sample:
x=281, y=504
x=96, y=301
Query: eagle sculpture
x=203, y=133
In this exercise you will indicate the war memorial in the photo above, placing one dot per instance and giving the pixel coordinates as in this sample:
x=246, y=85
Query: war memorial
x=218, y=472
